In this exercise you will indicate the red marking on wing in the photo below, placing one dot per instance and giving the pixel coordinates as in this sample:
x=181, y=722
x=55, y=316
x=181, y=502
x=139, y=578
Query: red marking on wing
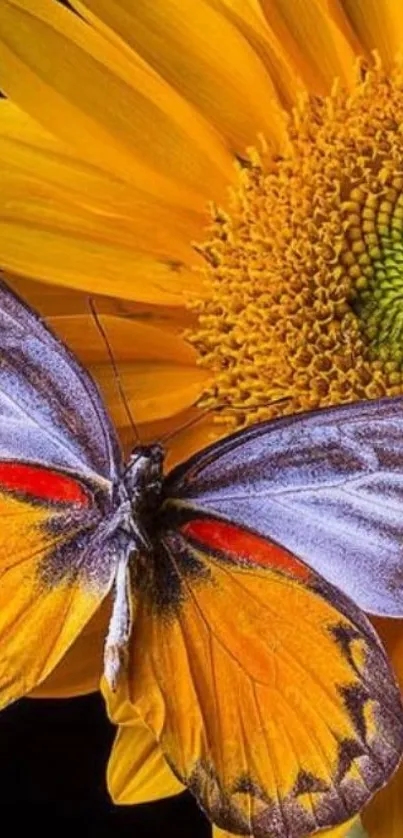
x=236, y=543
x=41, y=483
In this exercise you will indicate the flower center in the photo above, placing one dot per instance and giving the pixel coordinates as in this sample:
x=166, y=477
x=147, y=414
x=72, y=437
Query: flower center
x=378, y=300
x=306, y=268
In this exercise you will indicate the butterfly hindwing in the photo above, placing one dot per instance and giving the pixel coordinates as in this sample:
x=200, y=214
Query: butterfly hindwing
x=267, y=689
x=327, y=485
x=52, y=574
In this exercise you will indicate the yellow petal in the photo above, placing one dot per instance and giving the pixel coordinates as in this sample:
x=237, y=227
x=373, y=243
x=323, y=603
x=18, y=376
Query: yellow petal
x=185, y=43
x=193, y=437
x=137, y=771
x=318, y=47
x=383, y=817
x=154, y=390
x=350, y=829
x=129, y=339
x=46, y=299
x=391, y=634
x=151, y=229
x=157, y=369
x=94, y=200
x=54, y=301
x=335, y=10
x=80, y=671
x=378, y=24
x=342, y=831
x=63, y=256
x=120, y=115
x=270, y=49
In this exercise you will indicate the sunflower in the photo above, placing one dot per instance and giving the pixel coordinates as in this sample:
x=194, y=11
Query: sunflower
x=227, y=177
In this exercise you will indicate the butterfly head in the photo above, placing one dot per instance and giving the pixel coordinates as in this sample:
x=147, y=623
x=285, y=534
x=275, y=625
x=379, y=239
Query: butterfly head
x=144, y=475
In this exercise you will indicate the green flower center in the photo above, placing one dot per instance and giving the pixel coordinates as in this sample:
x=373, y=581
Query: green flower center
x=378, y=298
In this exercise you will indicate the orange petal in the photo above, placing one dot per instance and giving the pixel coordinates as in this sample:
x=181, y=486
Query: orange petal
x=270, y=49
x=80, y=670
x=336, y=11
x=129, y=339
x=47, y=299
x=48, y=184
x=56, y=256
x=319, y=49
x=378, y=24
x=185, y=43
x=351, y=829
x=391, y=634
x=137, y=770
x=55, y=242
x=154, y=390
x=54, y=301
x=157, y=369
x=149, y=228
x=109, y=106
x=193, y=438
x=383, y=817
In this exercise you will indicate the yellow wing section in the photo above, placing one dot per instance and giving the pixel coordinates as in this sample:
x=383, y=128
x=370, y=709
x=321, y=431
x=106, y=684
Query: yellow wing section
x=268, y=691
x=45, y=597
x=80, y=670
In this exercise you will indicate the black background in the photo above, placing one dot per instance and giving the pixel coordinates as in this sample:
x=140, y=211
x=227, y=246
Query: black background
x=53, y=756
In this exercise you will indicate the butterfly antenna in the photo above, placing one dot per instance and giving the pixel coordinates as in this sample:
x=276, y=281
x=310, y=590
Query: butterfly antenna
x=200, y=416
x=185, y=426
x=115, y=369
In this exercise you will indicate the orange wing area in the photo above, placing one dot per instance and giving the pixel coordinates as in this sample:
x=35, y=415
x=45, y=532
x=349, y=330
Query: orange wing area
x=44, y=604
x=268, y=691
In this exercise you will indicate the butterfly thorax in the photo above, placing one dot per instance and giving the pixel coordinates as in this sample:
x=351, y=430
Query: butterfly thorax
x=143, y=479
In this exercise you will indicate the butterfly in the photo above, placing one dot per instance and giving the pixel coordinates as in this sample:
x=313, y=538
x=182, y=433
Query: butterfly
x=235, y=638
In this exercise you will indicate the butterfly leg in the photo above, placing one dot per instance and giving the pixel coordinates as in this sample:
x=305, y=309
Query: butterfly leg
x=120, y=623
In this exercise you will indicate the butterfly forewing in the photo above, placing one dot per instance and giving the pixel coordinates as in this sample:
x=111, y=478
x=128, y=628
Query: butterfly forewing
x=50, y=410
x=326, y=485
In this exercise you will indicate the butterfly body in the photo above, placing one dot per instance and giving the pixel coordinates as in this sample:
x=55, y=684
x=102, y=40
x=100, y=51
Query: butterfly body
x=236, y=644
x=137, y=495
